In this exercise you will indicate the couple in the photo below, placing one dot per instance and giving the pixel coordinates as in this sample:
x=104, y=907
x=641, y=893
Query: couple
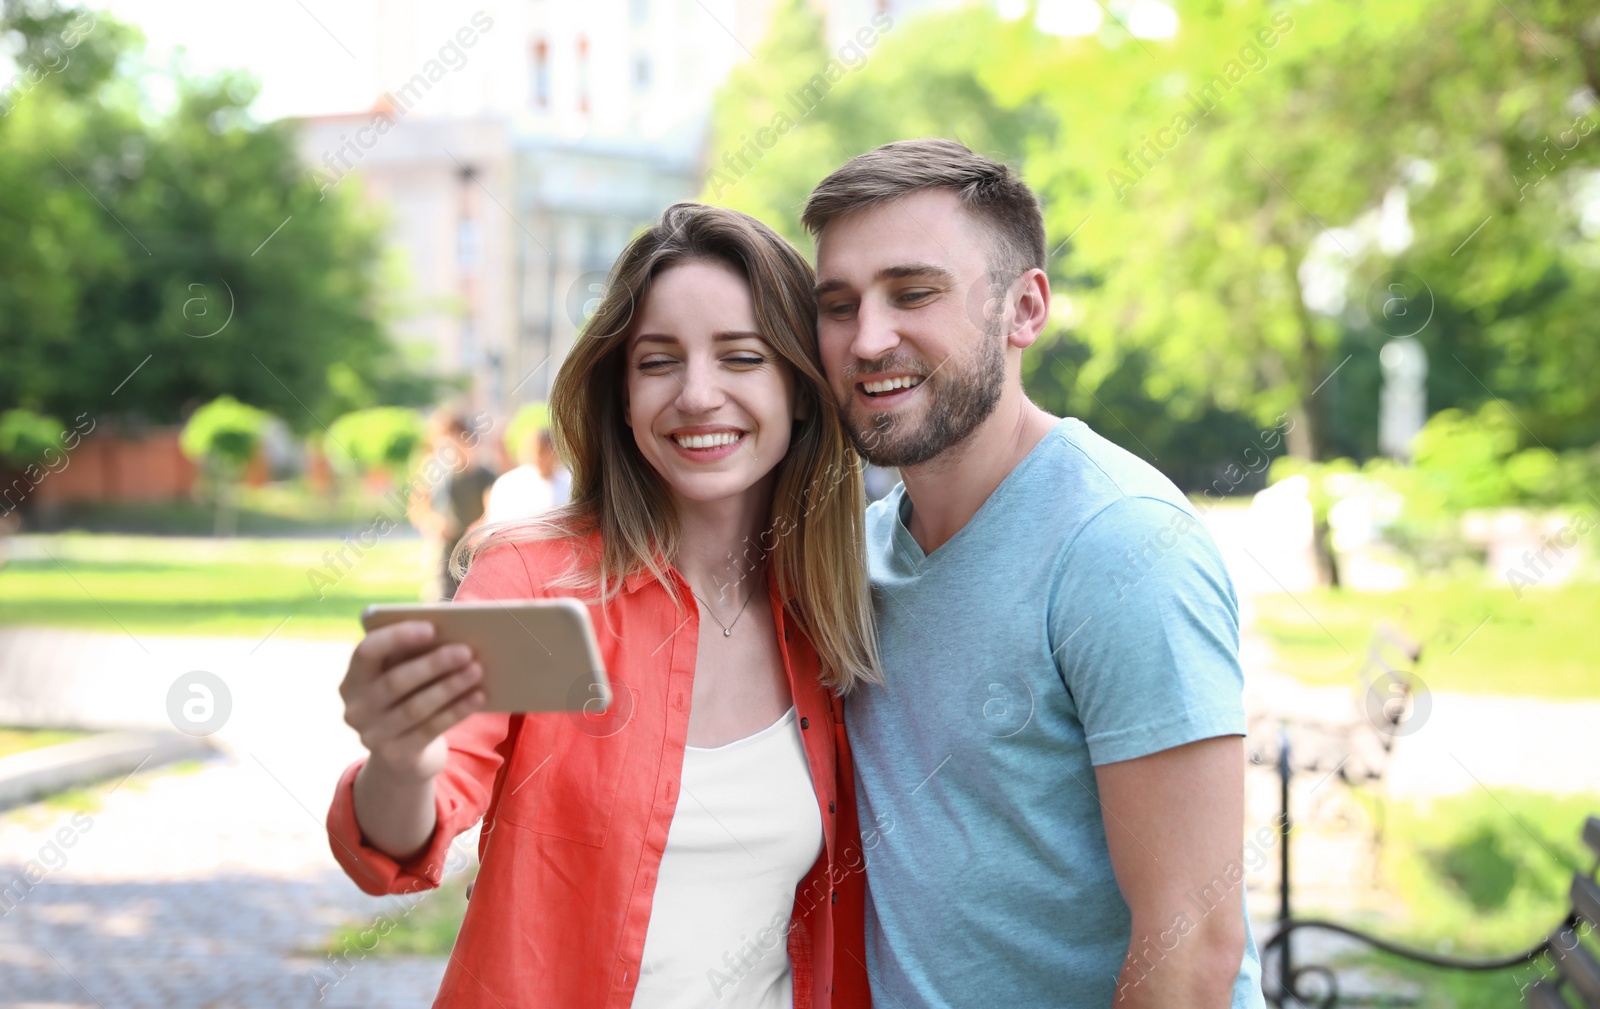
x=981, y=746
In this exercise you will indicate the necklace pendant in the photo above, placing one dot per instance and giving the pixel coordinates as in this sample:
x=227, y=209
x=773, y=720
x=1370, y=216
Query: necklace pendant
x=727, y=632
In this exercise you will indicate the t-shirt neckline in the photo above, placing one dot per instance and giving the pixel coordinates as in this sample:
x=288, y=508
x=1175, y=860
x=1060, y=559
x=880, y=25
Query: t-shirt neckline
x=906, y=545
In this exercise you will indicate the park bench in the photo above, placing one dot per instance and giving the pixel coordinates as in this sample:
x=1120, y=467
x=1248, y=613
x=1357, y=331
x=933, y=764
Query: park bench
x=1389, y=699
x=1576, y=972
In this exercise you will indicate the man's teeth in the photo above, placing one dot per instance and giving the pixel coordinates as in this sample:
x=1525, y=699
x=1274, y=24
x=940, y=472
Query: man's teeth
x=707, y=440
x=890, y=384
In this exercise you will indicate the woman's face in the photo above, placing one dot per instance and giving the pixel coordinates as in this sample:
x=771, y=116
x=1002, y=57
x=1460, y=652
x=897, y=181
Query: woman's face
x=710, y=403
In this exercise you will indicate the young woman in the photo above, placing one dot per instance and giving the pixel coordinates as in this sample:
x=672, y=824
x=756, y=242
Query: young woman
x=695, y=845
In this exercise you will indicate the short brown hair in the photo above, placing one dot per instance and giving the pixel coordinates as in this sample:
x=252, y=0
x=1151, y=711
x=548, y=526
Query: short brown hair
x=989, y=190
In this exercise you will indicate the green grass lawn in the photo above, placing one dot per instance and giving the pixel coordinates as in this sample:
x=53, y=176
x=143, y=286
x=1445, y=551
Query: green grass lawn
x=424, y=923
x=1477, y=875
x=1478, y=638
x=15, y=740
x=233, y=587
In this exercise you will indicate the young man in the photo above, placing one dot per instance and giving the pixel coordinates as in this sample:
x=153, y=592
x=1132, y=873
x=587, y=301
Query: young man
x=1056, y=763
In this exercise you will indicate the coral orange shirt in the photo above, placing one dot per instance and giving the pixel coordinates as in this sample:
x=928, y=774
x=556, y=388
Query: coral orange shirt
x=576, y=811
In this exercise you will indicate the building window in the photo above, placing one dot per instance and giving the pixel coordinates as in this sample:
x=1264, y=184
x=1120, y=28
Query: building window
x=468, y=245
x=639, y=11
x=541, y=74
x=641, y=72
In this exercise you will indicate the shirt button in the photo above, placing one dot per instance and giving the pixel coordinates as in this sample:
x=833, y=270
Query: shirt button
x=836, y=898
x=830, y=805
x=805, y=723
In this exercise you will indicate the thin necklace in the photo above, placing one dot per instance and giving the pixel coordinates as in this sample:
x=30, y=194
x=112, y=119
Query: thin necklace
x=727, y=629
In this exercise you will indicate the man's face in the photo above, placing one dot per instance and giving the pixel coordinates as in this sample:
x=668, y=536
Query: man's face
x=913, y=353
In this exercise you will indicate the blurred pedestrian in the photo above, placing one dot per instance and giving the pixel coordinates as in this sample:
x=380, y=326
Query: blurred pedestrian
x=539, y=484
x=450, y=500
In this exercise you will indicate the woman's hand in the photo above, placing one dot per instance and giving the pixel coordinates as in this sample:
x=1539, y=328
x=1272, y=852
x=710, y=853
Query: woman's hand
x=401, y=693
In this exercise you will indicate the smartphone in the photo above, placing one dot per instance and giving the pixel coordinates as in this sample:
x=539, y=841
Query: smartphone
x=537, y=654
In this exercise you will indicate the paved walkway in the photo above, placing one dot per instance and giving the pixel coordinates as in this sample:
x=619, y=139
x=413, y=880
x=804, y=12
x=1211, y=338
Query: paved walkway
x=212, y=889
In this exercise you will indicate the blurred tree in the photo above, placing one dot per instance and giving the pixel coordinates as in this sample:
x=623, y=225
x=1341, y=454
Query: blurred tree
x=188, y=250
x=936, y=75
x=1242, y=214
x=223, y=436
x=382, y=439
x=1253, y=246
x=26, y=436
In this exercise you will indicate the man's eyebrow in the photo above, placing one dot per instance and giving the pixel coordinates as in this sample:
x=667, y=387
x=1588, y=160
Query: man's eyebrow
x=900, y=271
x=905, y=270
x=828, y=287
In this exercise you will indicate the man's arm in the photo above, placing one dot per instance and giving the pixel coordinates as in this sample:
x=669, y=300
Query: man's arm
x=1174, y=824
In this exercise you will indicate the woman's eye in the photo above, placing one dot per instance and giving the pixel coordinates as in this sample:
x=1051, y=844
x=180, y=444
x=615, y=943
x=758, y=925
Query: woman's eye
x=655, y=364
x=748, y=360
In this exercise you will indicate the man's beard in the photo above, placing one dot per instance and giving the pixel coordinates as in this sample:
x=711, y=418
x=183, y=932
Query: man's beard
x=957, y=403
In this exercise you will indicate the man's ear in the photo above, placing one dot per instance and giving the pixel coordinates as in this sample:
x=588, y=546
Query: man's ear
x=1032, y=309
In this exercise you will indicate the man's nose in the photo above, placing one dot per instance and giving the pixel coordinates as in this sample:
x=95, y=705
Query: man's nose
x=875, y=334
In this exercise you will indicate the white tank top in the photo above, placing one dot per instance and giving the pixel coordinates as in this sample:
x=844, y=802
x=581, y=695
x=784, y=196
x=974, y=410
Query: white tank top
x=745, y=832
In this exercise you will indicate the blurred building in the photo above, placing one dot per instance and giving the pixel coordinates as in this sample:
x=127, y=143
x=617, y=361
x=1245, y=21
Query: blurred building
x=515, y=150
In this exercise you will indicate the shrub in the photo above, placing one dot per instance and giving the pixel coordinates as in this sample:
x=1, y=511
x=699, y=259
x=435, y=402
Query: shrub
x=224, y=435
x=25, y=436
x=381, y=438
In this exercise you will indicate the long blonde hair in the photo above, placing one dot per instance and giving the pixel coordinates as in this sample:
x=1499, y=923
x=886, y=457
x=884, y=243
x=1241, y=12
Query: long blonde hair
x=814, y=536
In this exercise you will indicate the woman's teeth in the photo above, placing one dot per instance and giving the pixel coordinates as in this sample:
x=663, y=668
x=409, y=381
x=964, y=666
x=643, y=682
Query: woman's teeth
x=891, y=384
x=708, y=440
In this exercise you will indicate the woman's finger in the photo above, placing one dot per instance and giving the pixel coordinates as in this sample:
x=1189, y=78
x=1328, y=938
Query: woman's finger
x=390, y=688
x=404, y=679
x=452, y=714
x=380, y=648
x=413, y=715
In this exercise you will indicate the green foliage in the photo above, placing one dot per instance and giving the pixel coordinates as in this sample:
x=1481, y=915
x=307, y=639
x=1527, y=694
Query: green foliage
x=382, y=438
x=1461, y=462
x=530, y=419
x=1187, y=289
x=224, y=434
x=190, y=245
x=25, y=436
x=1480, y=874
x=927, y=76
x=1459, y=458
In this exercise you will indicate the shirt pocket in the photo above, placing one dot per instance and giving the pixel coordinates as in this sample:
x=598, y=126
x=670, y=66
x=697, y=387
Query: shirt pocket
x=567, y=776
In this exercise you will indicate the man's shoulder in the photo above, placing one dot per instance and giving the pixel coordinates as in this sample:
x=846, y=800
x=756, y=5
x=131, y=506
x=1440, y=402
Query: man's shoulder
x=1084, y=484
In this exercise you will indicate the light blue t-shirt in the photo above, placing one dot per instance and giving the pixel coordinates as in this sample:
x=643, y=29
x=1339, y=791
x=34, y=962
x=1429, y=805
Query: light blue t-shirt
x=1083, y=616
